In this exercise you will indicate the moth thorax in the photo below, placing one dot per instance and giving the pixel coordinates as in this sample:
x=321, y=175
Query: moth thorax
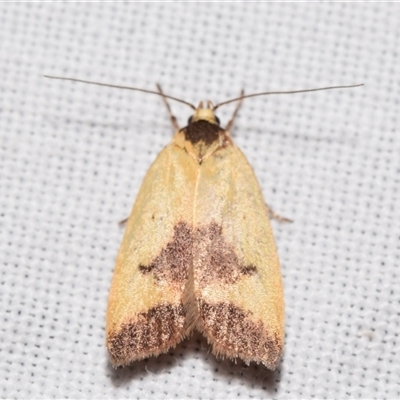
x=205, y=113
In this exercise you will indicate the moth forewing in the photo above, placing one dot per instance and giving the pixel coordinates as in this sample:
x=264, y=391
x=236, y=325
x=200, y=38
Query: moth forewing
x=237, y=275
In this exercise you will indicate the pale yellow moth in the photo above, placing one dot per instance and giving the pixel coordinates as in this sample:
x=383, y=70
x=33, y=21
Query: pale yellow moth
x=198, y=252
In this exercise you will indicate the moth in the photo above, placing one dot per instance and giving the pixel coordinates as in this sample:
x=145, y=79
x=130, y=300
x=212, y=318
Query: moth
x=198, y=252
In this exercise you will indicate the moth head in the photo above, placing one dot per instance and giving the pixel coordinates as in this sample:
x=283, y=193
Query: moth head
x=205, y=112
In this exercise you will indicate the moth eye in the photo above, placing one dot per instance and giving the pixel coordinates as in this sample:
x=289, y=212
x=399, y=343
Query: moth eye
x=217, y=120
x=190, y=120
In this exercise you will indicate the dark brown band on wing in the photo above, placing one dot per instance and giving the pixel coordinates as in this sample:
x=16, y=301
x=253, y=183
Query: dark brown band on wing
x=216, y=260
x=234, y=333
x=213, y=259
x=173, y=262
x=150, y=334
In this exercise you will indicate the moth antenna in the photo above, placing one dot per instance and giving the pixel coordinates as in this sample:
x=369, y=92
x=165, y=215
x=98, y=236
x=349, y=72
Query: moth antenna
x=289, y=92
x=123, y=87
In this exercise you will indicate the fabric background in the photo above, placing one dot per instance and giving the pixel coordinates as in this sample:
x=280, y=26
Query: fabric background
x=73, y=157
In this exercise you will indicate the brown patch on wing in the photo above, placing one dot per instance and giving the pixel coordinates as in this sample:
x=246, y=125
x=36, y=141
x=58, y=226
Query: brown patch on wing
x=150, y=334
x=215, y=259
x=202, y=130
x=173, y=263
x=233, y=333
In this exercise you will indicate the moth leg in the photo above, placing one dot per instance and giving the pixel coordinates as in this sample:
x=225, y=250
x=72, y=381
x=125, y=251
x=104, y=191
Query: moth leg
x=172, y=116
x=230, y=123
x=123, y=222
x=274, y=215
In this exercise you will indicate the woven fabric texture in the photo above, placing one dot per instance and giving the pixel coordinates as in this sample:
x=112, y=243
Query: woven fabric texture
x=72, y=158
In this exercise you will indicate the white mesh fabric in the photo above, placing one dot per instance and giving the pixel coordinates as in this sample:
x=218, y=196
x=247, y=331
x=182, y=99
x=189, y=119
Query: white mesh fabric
x=73, y=157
